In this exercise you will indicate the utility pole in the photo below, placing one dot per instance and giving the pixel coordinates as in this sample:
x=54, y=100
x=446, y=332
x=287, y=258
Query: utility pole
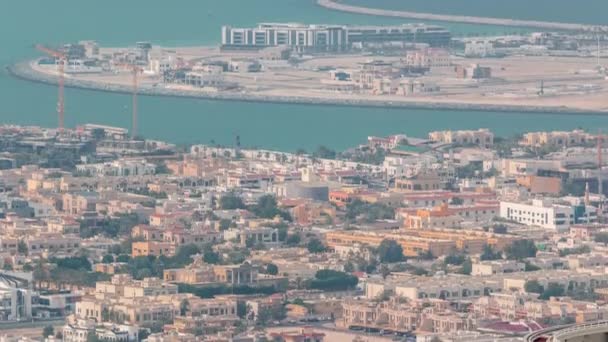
x=600, y=185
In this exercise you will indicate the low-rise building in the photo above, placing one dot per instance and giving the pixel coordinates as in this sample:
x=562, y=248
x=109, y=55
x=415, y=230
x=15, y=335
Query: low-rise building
x=557, y=138
x=490, y=267
x=547, y=214
x=482, y=137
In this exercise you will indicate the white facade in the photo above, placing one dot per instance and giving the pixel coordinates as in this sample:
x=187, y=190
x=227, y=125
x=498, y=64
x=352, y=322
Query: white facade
x=122, y=168
x=15, y=298
x=486, y=268
x=545, y=214
x=479, y=49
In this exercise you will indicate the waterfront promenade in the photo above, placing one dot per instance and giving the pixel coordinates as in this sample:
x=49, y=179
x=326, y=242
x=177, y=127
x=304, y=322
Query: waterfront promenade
x=336, y=5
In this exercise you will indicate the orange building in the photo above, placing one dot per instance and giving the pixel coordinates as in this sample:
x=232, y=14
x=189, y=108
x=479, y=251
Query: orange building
x=309, y=213
x=412, y=246
x=155, y=248
x=415, y=241
x=439, y=216
x=541, y=185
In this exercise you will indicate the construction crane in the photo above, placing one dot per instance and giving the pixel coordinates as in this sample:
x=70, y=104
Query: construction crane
x=136, y=70
x=62, y=59
x=600, y=180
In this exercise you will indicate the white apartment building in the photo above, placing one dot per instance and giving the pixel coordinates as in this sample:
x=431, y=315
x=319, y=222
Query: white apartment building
x=78, y=330
x=15, y=297
x=479, y=49
x=491, y=267
x=121, y=168
x=396, y=166
x=548, y=215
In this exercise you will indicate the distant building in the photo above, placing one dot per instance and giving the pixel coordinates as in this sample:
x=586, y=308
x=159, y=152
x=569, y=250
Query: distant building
x=303, y=37
x=482, y=137
x=548, y=215
x=301, y=335
x=428, y=58
x=15, y=297
x=421, y=182
x=439, y=217
x=479, y=49
x=557, y=138
x=473, y=72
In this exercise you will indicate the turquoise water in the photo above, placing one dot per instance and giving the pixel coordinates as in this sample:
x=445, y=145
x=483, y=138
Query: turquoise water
x=195, y=22
x=579, y=11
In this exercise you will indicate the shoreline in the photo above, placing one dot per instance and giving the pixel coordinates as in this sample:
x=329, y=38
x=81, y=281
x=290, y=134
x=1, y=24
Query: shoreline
x=25, y=72
x=337, y=6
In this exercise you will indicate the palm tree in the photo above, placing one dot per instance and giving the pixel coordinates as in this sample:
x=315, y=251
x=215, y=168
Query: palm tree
x=184, y=306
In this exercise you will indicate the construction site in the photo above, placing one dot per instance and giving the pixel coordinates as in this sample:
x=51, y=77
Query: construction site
x=536, y=73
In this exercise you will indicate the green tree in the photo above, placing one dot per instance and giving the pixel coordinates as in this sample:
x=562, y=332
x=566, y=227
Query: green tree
x=454, y=259
x=184, y=306
x=428, y=255
x=521, y=249
x=272, y=269
x=531, y=267
x=210, y=256
x=48, y=331
x=107, y=259
x=323, y=152
x=123, y=258
x=457, y=201
x=577, y=250
x=533, y=286
x=390, y=251
x=225, y=224
x=500, y=228
x=74, y=263
x=263, y=317
x=315, y=246
x=330, y=280
x=22, y=247
x=293, y=240
x=467, y=267
x=489, y=254
x=266, y=207
x=369, y=211
x=552, y=290
x=231, y=201
x=384, y=271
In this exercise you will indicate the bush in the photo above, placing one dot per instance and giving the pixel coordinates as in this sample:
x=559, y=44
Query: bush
x=533, y=286
x=370, y=211
x=390, y=251
x=316, y=246
x=489, y=254
x=521, y=249
x=553, y=290
x=329, y=280
x=231, y=202
x=272, y=269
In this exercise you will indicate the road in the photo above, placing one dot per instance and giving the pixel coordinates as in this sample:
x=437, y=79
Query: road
x=335, y=5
